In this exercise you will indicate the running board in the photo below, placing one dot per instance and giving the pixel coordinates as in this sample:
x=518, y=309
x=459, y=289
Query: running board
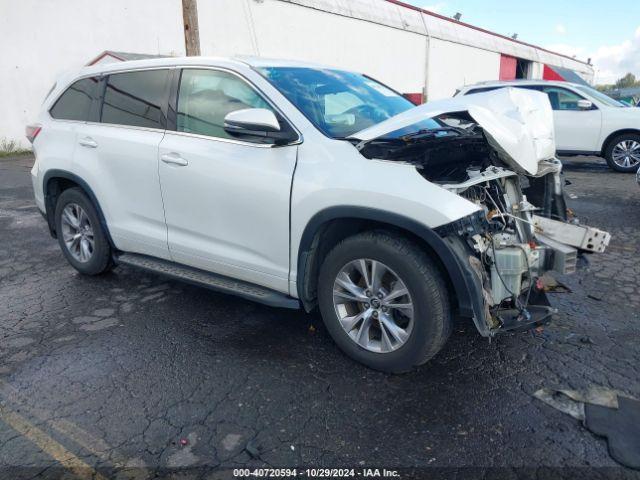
x=208, y=280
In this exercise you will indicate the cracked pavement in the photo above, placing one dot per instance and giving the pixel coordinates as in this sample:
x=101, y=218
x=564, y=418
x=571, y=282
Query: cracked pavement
x=132, y=371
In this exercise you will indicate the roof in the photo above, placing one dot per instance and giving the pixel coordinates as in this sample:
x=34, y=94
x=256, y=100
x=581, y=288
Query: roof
x=480, y=29
x=258, y=62
x=401, y=16
x=230, y=62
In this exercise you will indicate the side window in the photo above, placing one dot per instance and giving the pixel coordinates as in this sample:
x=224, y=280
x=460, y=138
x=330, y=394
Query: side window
x=205, y=97
x=135, y=98
x=75, y=103
x=562, y=99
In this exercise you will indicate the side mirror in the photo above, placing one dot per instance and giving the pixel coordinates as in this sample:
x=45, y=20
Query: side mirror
x=251, y=119
x=585, y=104
x=257, y=123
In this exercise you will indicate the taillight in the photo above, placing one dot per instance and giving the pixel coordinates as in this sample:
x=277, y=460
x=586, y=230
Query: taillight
x=32, y=131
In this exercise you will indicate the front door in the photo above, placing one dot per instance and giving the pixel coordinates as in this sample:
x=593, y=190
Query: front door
x=226, y=201
x=576, y=129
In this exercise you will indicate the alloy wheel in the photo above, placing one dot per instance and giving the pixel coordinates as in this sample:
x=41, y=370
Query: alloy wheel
x=77, y=232
x=626, y=153
x=373, y=305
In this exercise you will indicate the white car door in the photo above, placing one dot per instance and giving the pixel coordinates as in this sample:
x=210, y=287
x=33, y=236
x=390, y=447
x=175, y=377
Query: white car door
x=226, y=201
x=117, y=154
x=576, y=129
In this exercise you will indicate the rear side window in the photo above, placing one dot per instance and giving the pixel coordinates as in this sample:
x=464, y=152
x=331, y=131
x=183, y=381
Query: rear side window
x=207, y=96
x=76, y=102
x=135, y=99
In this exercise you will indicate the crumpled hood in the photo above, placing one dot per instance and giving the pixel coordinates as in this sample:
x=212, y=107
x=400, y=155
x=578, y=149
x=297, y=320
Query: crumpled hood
x=518, y=123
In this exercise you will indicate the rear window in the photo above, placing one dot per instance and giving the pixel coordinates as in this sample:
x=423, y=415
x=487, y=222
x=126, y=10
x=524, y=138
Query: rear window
x=76, y=102
x=135, y=99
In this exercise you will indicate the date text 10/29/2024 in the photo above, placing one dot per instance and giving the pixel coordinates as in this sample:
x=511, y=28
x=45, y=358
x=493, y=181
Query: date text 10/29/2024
x=315, y=473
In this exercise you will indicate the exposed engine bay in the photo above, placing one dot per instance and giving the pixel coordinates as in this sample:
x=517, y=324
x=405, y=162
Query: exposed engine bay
x=522, y=229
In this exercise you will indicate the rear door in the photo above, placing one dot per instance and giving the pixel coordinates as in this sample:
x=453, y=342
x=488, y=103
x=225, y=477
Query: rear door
x=70, y=112
x=117, y=154
x=226, y=201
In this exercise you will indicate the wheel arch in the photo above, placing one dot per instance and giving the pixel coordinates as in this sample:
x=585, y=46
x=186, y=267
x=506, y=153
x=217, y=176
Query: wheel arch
x=336, y=223
x=613, y=135
x=57, y=181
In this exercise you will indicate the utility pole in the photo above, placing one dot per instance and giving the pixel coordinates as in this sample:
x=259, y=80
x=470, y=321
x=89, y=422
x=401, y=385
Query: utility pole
x=191, y=30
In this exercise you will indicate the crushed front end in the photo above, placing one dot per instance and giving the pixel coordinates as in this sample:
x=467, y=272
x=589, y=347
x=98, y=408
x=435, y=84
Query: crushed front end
x=522, y=229
x=512, y=244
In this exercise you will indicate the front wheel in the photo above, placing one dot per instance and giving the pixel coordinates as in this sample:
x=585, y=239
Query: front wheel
x=384, y=301
x=623, y=153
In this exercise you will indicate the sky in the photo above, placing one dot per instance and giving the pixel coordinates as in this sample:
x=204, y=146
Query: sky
x=606, y=32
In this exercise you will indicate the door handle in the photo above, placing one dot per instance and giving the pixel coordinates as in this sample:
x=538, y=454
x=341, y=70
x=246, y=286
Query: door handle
x=88, y=142
x=174, y=159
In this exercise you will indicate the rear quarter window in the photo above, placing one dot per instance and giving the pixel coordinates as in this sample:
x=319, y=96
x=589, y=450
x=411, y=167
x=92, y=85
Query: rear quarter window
x=76, y=101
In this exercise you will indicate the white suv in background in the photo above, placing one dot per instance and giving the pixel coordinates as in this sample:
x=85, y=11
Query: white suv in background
x=587, y=122
x=300, y=186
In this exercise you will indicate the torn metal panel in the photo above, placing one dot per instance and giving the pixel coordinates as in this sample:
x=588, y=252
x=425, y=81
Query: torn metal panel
x=583, y=237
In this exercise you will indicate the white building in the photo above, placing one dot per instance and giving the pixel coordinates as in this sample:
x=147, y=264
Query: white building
x=420, y=53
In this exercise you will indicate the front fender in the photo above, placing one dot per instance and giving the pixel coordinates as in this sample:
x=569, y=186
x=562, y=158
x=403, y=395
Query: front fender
x=465, y=283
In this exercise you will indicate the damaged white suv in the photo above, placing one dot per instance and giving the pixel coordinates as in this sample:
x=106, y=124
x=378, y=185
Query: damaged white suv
x=297, y=185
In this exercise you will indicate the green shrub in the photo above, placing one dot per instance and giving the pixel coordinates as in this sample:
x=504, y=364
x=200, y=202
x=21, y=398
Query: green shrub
x=9, y=148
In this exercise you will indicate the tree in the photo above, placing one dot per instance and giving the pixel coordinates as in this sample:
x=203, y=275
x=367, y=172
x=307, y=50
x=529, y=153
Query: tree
x=629, y=80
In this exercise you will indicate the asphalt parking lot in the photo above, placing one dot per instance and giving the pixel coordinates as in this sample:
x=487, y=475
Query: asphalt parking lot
x=131, y=370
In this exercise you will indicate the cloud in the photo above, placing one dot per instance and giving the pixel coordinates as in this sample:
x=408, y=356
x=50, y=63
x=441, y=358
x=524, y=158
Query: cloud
x=610, y=61
x=614, y=61
x=560, y=28
x=567, y=49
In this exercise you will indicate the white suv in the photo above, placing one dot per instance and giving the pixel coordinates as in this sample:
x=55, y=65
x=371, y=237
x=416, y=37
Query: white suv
x=587, y=122
x=297, y=185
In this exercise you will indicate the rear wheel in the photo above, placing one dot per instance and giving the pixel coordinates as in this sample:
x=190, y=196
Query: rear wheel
x=384, y=301
x=80, y=235
x=623, y=153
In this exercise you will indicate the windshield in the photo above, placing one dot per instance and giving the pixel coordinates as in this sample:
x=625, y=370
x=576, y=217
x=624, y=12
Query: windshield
x=601, y=97
x=338, y=103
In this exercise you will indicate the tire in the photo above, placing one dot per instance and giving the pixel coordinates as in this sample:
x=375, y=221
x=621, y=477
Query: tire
x=627, y=142
x=74, y=204
x=424, y=333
